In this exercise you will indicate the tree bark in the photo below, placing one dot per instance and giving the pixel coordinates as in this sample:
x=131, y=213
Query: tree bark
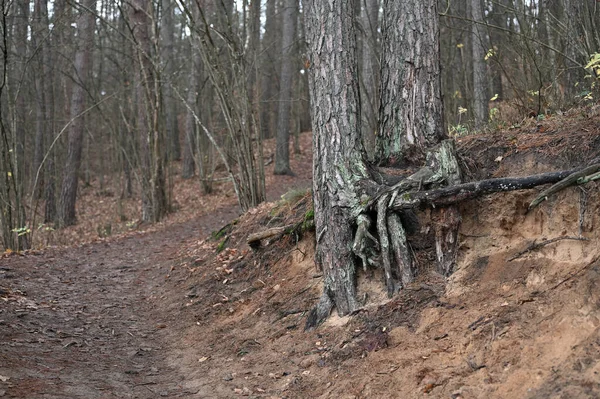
x=369, y=74
x=269, y=83
x=338, y=165
x=169, y=78
x=282, y=155
x=83, y=65
x=21, y=25
x=188, y=165
x=345, y=192
x=411, y=110
x=480, y=81
x=154, y=199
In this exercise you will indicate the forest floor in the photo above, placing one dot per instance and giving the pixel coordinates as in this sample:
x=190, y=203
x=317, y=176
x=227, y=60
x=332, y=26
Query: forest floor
x=174, y=311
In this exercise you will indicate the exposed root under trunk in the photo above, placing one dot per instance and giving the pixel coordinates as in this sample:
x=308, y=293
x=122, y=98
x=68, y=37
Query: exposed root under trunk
x=385, y=244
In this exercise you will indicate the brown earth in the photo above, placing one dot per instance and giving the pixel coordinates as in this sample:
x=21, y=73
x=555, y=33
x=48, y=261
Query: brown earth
x=162, y=314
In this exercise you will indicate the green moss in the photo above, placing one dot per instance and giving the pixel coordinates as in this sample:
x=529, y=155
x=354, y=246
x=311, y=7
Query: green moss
x=223, y=231
x=310, y=214
x=222, y=245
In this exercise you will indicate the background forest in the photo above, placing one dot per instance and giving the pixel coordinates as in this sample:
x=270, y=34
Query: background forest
x=128, y=95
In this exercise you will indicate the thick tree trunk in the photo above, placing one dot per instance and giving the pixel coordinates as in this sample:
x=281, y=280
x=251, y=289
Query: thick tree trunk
x=369, y=74
x=282, y=155
x=480, y=81
x=411, y=110
x=337, y=148
x=344, y=192
x=83, y=65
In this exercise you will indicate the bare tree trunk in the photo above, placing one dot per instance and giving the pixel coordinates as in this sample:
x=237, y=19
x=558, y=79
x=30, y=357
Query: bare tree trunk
x=337, y=147
x=269, y=81
x=37, y=37
x=151, y=141
x=498, y=18
x=254, y=54
x=168, y=61
x=44, y=157
x=480, y=81
x=346, y=193
x=411, y=110
x=13, y=33
x=19, y=38
x=83, y=66
x=188, y=166
x=574, y=47
x=282, y=155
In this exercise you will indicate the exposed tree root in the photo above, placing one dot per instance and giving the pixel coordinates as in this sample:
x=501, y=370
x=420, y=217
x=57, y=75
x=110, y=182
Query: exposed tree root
x=580, y=177
x=381, y=221
x=320, y=312
x=455, y=194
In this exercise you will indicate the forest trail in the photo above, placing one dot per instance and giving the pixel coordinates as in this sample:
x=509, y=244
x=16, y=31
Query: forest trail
x=87, y=322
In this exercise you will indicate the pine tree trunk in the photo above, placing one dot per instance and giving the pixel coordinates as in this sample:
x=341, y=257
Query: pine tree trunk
x=411, y=110
x=282, y=155
x=345, y=192
x=83, y=66
x=369, y=74
x=337, y=148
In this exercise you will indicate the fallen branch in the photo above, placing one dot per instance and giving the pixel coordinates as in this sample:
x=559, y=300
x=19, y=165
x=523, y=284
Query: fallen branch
x=536, y=245
x=255, y=238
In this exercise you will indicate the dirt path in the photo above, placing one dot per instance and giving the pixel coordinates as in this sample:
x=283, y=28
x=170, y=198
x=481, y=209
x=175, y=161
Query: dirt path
x=86, y=322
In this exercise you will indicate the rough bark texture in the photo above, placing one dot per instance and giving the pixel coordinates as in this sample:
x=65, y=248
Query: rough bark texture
x=337, y=147
x=411, y=111
x=369, y=74
x=83, y=65
x=282, y=155
x=480, y=81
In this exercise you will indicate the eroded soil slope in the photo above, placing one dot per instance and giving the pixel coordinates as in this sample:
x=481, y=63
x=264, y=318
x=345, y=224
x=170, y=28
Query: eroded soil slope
x=180, y=313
